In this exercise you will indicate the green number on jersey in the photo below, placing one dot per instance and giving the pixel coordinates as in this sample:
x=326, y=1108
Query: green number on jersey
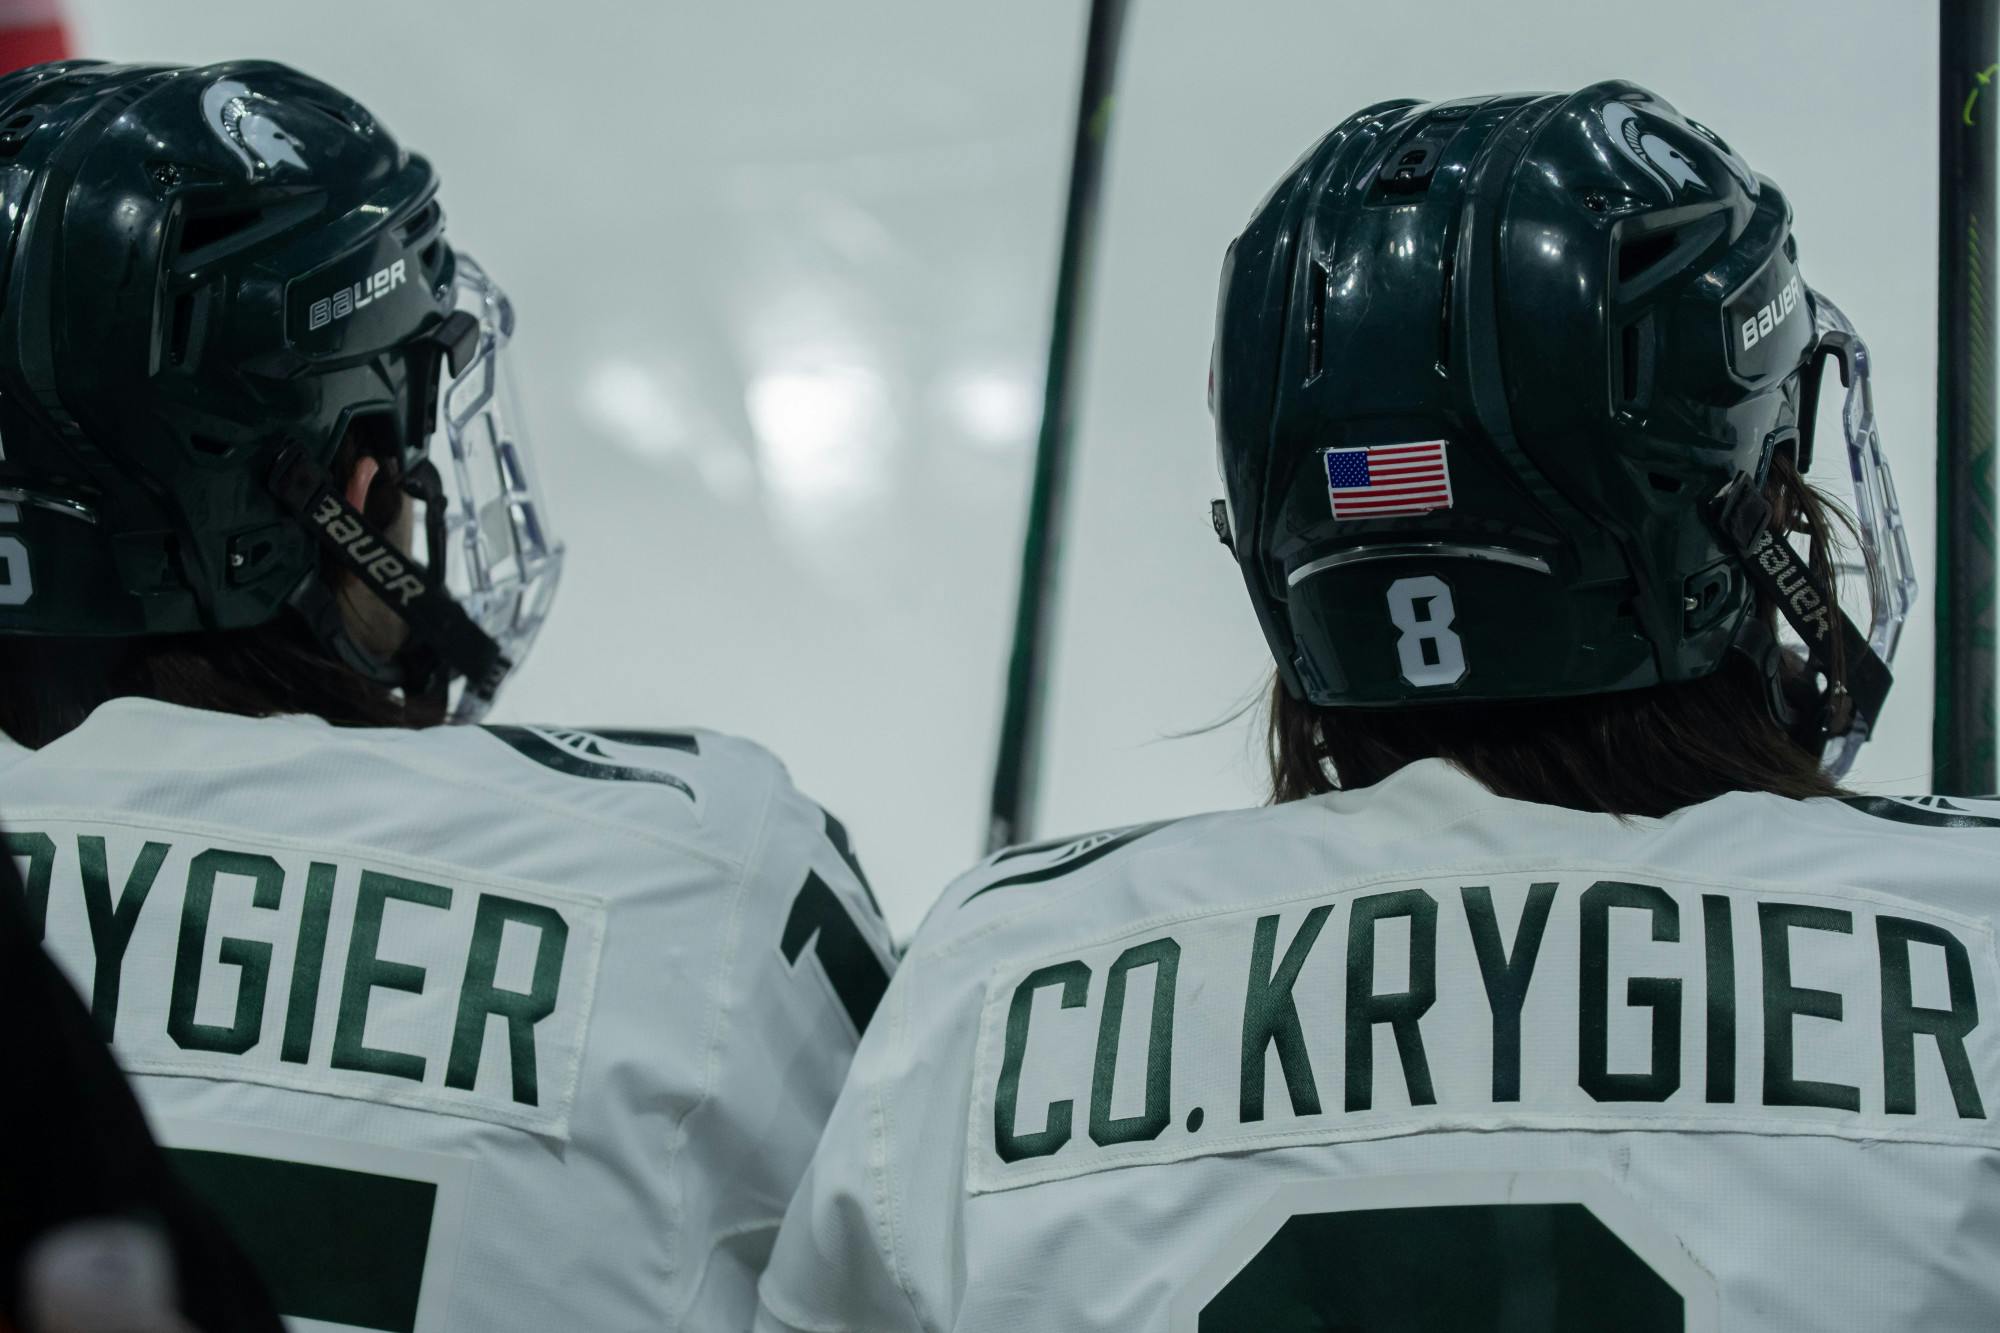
x=343, y=1248
x=818, y=918
x=1475, y=1252
x=1468, y=1268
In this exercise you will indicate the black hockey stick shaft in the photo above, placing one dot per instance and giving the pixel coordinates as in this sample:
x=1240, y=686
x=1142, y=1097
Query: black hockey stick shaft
x=1017, y=767
x=1962, y=735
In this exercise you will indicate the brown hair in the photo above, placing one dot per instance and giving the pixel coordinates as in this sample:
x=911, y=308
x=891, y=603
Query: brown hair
x=50, y=684
x=1639, y=752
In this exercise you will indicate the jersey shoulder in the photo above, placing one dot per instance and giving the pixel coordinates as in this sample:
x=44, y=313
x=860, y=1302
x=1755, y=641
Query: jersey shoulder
x=1948, y=845
x=737, y=795
x=1958, y=813
x=1047, y=861
x=696, y=764
x=1941, y=852
x=688, y=783
x=599, y=800
x=1071, y=886
x=1913, y=832
x=723, y=798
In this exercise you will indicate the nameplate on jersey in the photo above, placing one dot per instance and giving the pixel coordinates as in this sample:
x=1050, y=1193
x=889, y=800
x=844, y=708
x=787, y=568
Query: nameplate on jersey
x=208, y=953
x=1583, y=999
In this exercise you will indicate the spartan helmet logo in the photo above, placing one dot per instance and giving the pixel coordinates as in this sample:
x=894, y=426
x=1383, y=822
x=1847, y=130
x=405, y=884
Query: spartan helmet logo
x=245, y=121
x=1658, y=158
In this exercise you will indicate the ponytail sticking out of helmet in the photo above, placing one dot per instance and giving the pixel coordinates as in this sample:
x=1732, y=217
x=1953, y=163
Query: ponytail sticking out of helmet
x=1499, y=384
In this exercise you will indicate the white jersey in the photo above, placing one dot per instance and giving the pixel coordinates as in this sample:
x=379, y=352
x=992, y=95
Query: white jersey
x=470, y=1028
x=1418, y=1057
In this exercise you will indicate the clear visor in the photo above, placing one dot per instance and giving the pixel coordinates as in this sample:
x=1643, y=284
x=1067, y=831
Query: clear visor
x=501, y=559
x=1877, y=577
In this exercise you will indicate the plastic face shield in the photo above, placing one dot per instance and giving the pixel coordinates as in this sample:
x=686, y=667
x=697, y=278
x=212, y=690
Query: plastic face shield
x=501, y=560
x=1878, y=582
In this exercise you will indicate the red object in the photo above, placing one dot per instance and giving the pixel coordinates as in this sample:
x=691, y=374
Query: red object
x=32, y=31
x=33, y=45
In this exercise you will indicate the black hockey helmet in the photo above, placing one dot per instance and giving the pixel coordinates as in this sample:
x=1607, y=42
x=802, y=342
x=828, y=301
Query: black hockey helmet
x=210, y=275
x=1497, y=384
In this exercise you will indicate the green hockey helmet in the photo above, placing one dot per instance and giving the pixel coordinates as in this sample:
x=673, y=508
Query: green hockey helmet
x=1497, y=385
x=211, y=276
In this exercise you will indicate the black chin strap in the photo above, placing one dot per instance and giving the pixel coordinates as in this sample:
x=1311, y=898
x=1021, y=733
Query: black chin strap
x=437, y=622
x=1858, y=678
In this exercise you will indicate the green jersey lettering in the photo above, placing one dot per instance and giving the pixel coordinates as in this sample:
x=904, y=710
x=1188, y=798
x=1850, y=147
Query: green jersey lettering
x=480, y=999
x=251, y=958
x=40, y=849
x=1164, y=956
x=307, y=959
x=111, y=926
x=1903, y=1021
x=1401, y=1010
x=1506, y=975
x=1074, y=978
x=1784, y=1002
x=366, y=971
x=1660, y=994
x=1271, y=1018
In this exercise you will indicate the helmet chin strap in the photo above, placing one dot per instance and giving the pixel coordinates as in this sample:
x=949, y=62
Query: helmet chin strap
x=1858, y=679
x=444, y=641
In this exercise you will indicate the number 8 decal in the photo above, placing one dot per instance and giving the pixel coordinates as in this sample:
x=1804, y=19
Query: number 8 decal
x=1431, y=653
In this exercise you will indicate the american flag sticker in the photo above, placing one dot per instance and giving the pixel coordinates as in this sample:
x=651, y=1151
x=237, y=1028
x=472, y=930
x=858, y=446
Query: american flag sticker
x=1383, y=480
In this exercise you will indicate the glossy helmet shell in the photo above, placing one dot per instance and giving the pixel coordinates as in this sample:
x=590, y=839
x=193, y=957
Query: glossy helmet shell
x=201, y=266
x=1566, y=290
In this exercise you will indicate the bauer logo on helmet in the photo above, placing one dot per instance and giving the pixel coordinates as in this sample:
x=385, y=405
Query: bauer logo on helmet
x=1771, y=314
x=350, y=299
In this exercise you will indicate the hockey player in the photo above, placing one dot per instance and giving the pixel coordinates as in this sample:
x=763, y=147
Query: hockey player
x=475, y=1028
x=1561, y=988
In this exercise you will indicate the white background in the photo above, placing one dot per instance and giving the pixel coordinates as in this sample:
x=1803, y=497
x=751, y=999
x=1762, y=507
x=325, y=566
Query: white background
x=783, y=268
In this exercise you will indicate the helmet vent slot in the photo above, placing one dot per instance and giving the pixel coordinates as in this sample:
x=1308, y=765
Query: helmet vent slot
x=1635, y=362
x=14, y=132
x=1409, y=168
x=337, y=116
x=181, y=329
x=422, y=221
x=202, y=231
x=1318, y=279
x=1639, y=254
x=208, y=444
x=1648, y=258
x=1449, y=275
